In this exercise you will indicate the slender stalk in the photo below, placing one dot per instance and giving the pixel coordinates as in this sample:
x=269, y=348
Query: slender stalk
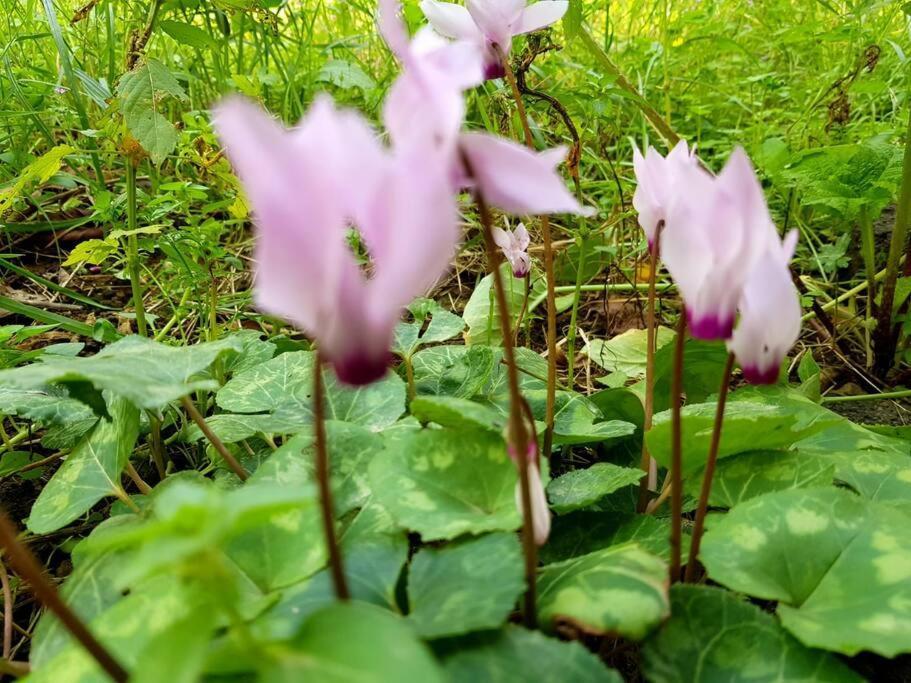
x=646, y=463
x=336, y=567
x=156, y=446
x=200, y=421
x=677, y=450
x=693, y=561
x=133, y=250
x=548, y=269
x=7, y=612
x=886, y=338
x=28, y=567
x=518, y=435
x=869, y=255
x=522, y=311
x=574, y=316
x=143, y=487
x=888, y=395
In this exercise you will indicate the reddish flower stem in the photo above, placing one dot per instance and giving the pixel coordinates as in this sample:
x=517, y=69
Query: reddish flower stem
x=518, y=435
x=677, y=450
x=336, y=566
x=693, y=561
x=217, y=443
x=548, y=268
x=25, y=563
x=651, y=349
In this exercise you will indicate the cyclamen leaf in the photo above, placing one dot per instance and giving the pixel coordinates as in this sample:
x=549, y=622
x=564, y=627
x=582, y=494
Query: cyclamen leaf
x=619, y=590
x=148, y=374
x=442, y=483
x=468, y=586
x=515, y=654
x=714, y=635
x=91, y=471
x=840, y=566
x=581, y=488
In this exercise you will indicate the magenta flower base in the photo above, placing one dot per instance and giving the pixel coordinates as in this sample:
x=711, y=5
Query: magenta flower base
x=710, y=327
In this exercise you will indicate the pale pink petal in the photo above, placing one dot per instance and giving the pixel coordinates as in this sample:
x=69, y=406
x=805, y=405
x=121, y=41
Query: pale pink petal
x=522, y=237
x=540, y=512
x=770, y=315
x=453, y=21
x=496, y=19
x=516, y=179
x=502, y=238
x=393, y=28
x=540, y=14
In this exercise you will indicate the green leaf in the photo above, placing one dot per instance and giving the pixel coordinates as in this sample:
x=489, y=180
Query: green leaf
x=620, y=590
x=468, y=586
x=515, y=655
x=443, y=326
x=751, y=423
x=753, y=474
x=125, y=628
x=626, y=353
x=481, y=313
x=148, y=374
x=373, y=557
x=442, y=483
x=581, y=533
x=840, y=566
x=881, y=477
x=39, y=171
x=576, y=419
x=91, y=472
x=353, y=642
x=141, y=91
x=178, y=655
x=458, y=413
x=283, y=386
x=714, y=635
x=188, y=34
x=44, y=407
x=582, y=488
x=345, y=75
x=460, y=371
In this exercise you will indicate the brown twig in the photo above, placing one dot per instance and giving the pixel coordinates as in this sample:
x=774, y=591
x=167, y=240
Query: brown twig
x=336, y=566
x=651, y=341
x=702, y=508
x=223, y=451
x=28, y=567
x=7, y=612
x=677, y=450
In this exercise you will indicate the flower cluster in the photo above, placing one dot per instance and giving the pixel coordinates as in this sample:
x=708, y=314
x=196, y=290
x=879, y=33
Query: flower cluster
x=311, y=185
x=722, y=249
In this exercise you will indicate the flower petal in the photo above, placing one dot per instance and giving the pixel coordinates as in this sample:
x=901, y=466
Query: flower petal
x=540, y=14
x=516, y=179
x=540, y=512
x=496, y=19
x=453, y=21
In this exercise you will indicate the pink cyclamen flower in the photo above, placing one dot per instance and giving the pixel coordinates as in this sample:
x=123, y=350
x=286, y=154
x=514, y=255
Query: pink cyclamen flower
x=770, y=315
x=540, y=512
x=514, y=245
x=716, y=230
x=491, y=24
x=658, y=179
x=307, y=186
x=425, y=107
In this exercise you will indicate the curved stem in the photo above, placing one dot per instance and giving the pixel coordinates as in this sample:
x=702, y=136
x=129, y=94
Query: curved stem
x=336, y=567
x=518, y=435
x=133, y=250
x=548, y=269
x=646, y=463
x=693, y=561
x=28, y=567
x=200, y=421
x=677, y=450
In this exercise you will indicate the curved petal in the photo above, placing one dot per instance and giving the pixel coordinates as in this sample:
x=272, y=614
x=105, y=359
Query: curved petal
x=540, y=512
x=496, y=19
x=393, y=28
x=453, y=21
x=540, y=14
x=517, y=180
x=502, y=239
x=522, y=237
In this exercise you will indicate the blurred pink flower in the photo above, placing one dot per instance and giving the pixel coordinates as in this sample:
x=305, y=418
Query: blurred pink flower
x=717, y=229
x=770, y=314
x=491, y=24
x=514, y=245
x=307, y=186
x=540, y=512
x=425, y=107
x=658, y=180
